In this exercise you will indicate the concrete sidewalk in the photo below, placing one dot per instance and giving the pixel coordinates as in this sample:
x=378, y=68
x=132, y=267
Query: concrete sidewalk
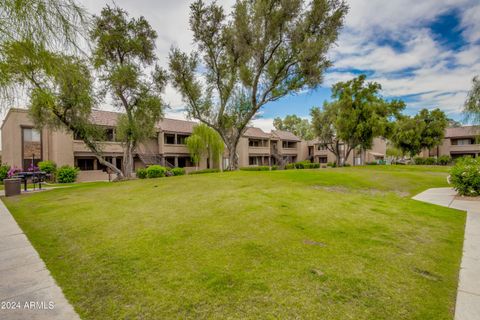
x=468, y=294
x=27, y=290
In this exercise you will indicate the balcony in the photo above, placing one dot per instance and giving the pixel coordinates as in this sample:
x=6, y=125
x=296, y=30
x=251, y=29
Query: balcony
x=105, y=146
x=465, y=148
x=259, y=150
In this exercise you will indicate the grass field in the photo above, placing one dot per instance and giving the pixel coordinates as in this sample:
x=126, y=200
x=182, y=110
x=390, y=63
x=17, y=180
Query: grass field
x=344, y=243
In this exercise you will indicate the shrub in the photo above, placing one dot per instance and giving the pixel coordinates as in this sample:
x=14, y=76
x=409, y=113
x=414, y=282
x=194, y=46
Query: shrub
x=178, y=171
x=274, y=168
x=465, y=176
x=156, y=171
x=329, y=164
x=47, y=166
x=141, y=173
x=256, y=168
x=205, y=171
x=371, y=163
x=419, y=160
x=4, y=171
x=289, y=166
x=430, y=161
x=67, y=174
x=347, y=165
x=444, y=160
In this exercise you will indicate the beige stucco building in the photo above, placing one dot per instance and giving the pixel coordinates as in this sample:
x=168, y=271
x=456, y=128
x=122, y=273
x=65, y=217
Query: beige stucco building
x=458, y=142
x=23, y=145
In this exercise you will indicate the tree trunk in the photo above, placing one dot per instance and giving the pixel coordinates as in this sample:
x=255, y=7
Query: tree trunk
x=128, y=159
x=232, y=155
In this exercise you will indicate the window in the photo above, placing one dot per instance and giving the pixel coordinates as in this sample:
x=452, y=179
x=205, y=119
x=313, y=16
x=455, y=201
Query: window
x=110, y=134
x=85, y=163
x=255, y=161
x=321, y=147
x=462, y=142
x=322, y=159
x=289, y=144
x=181, y=138
x=257, y=143
x=169, y=138
x=31, y=147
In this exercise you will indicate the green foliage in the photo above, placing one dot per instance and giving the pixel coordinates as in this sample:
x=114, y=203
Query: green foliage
x=355, y=117
x=291, y=37
x=465, y=176
x=444, y=160
x=4, y=168
x=296, y=125
x=48, y=166
x=306, y=164
x=178, y=171
x=156, y=171
x=141, y=173
x=205, y=171
x=424, y=130
x=67, y=174
x=371, y=163
x=472, y=104
x=205, y=142
x=124, y=50
x=419, y=160
x=256, y=168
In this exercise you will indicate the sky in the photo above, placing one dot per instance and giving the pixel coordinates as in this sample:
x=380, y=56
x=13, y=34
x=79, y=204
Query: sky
x=425, y=52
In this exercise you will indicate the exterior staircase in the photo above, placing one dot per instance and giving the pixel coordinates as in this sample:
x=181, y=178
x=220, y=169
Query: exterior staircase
x=150, y=158
x=278, y=157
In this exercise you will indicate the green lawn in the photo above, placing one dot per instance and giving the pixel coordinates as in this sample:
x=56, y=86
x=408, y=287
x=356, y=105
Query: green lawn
x=344, y=243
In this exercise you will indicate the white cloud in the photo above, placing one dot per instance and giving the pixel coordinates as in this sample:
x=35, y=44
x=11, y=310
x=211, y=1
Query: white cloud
x=266, y=124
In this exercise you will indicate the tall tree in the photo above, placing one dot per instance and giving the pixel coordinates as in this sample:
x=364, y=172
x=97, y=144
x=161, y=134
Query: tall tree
x=266, y=50
x=53, y=24
x=472, y=104
x=204, y=141
x=298, y=126
x=59, y=88
x=425, y=130
x=356, y=115
x=123, y=52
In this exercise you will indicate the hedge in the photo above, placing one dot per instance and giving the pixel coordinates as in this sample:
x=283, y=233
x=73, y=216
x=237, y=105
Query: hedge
x=257, y=168
x=205, y=171
x=4, y=172
x=178, y=171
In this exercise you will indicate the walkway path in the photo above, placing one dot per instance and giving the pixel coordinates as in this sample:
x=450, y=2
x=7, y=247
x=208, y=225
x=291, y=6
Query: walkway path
x=468, y=294
x=25, y=283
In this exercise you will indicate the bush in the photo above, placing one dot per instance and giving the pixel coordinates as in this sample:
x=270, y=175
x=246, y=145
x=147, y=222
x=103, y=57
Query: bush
x=430, y=161
x=347, y=165
x=205, y=171
x=156, y=171
x=67, y=174
x=289, y=166
x=419, y=160
x=371, y=163
x=274, y=168
x=178, y=171
x=4, y=171
x=444, y=160
x=330, y=164
x=256, y=168
x=141, y=173
x=47, y=166
x=465, y=176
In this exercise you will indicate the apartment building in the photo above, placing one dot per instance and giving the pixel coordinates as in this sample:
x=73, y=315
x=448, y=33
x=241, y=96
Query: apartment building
x=23, y=145
x=458, y=142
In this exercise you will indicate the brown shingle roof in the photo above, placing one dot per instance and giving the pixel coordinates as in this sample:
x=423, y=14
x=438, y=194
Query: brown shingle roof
x=459, y=132
x=174, y=125
x=110, y=118
x=104, y=118
x=254, y=132
x=285, y=135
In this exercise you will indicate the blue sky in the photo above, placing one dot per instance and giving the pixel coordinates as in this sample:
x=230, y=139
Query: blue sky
x=424, y=52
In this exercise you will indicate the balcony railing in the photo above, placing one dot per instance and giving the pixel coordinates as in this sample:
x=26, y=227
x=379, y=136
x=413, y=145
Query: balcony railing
x=475, y=148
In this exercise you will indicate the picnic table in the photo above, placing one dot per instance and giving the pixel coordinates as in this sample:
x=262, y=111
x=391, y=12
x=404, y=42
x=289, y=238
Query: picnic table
x=35, y=176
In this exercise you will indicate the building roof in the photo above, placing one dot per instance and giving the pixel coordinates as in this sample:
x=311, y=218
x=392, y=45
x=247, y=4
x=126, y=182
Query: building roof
x=110, y=118
x=254, y=132
x=175, y=125
x=466, y=131
x=285, y=135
